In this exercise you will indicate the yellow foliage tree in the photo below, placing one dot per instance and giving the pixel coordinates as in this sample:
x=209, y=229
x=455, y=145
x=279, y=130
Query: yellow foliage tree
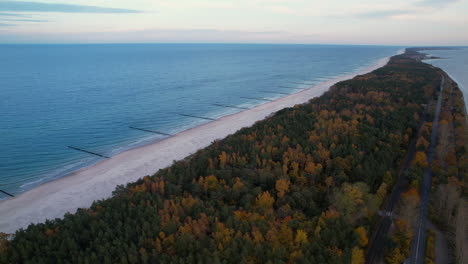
x=357, y=256
x=3, y=243
x=295, y=169
x=395, y=257
x=388, y=178
x=222, y=159
x=282, y=186
x=210, y=163
x=158, y=186
x=285, y=234
x=354, y=193
x=323, y=153
x=158, y=245
x=202, y=183
x=257, y=236
x=420, y=159
x=272, y=236
x=212, y=182
x=198, y=227
x=381, y=193
x=222, y=235
x=301, y=237
x=351, y=200
x=188, y=202
x=265, y=201
x=362, y=234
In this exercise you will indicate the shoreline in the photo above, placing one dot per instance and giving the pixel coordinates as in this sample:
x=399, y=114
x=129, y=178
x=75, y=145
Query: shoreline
x=461, y=85
x=80, y=188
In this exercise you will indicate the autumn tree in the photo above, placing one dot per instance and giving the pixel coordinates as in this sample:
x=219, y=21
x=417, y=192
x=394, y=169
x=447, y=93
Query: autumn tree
x=3, y=243
x=357, y=256
x=265, y=201
x=282, y=187
x=350, y=200
x=362, y=235
x=301, y=237
x=420, y=159
x=395, y=257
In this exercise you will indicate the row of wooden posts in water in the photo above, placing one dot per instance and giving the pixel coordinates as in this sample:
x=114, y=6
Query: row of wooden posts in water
x=187, y=115
x=193, y=116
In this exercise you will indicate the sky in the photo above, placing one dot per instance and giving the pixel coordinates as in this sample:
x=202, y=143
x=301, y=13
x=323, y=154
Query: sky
x=360, y=22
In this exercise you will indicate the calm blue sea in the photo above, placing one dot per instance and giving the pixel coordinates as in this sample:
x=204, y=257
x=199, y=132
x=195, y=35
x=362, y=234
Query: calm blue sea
x=54, y=96
x=455, y=63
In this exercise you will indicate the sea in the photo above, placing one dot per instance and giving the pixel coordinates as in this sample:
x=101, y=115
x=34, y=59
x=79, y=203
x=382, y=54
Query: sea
x=92, y=97
x=454, y=62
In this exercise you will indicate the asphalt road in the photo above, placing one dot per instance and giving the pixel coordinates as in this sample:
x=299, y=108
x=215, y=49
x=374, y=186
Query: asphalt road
x=376, y=247
x=418, y=244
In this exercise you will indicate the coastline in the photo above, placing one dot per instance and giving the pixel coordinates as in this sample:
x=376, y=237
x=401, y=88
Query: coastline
x=461, y=83
x=81, y=188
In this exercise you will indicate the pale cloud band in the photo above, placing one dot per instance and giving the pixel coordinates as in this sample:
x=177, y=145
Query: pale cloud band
x=396, y=22
x=23, y=6
x=437, y=2
x=11, y=15
x=383, y=14
x=22, y=20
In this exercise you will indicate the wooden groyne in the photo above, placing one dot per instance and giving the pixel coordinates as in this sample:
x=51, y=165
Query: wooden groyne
x=9, y=194
x=254, y=98
x=89, y=152
x=231, y=106
x=274, y=92
x=304, y=83
x=200, y=117
x=289, y=87
x=150, y=131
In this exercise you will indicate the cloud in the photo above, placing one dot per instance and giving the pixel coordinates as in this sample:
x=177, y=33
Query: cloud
x=11, y=15
x=22, y=20
x=6, y=25
x=436, y=2
x=161, y=36
x=23, y=6
x=383, y=13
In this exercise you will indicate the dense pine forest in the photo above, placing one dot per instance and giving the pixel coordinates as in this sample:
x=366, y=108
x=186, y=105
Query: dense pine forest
x=302, y=186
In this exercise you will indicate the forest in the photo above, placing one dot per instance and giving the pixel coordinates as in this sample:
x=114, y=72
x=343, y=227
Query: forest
x=448, y=207
x=302, y=186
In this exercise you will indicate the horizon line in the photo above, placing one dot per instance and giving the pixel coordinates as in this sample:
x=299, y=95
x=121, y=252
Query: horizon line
x=224, y=43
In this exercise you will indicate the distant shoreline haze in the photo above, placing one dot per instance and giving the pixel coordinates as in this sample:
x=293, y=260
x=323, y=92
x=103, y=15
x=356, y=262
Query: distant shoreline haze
x=455, y=63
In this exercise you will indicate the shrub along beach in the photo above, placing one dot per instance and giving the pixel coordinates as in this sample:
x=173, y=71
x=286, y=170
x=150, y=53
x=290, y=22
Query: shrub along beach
x=303, y=185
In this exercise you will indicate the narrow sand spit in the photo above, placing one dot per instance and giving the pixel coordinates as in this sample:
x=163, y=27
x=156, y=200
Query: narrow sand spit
x=80, y=189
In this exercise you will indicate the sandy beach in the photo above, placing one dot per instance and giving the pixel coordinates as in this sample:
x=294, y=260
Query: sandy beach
x=81, y=188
